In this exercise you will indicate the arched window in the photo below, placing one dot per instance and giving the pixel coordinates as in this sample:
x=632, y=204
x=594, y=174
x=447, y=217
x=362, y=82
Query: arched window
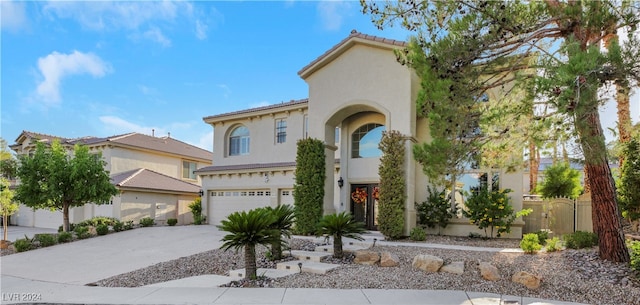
x=364, y=141
x=239, y=141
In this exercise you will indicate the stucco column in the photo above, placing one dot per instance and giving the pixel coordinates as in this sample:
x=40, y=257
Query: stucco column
x=328, y=206
x=410, y=179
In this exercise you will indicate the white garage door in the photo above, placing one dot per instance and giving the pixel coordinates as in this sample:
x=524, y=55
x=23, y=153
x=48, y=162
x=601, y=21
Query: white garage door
x=286, y=197
x=223, y=203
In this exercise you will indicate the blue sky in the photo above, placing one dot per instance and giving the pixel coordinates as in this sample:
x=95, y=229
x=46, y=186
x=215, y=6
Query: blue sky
x=76, y=69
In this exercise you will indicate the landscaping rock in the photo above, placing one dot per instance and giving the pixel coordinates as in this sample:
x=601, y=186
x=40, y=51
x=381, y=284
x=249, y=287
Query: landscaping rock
x=365, y=257
x=527, y=279
x=428, y=263
x=388, y=259
x=92, y=230
x=455, y=268
x=489, y=272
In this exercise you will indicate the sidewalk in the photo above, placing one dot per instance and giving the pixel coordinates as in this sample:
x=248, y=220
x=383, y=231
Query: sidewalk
x=58, y=275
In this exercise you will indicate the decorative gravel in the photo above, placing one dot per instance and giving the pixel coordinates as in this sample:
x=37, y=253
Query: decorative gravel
x=569, y=275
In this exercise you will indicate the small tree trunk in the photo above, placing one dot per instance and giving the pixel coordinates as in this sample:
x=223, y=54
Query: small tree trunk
x=534, y=164
x=276, y=249
x=4, y=226
x=337, y=246
x=250, y=267
x=65, y=217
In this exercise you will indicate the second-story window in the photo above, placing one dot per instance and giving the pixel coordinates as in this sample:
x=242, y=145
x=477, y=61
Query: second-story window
x=188, y=169
x=239, y=141
x=281, y=131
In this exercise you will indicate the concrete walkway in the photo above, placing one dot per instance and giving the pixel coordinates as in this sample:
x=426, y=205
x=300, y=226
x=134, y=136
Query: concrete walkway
x=58, y=275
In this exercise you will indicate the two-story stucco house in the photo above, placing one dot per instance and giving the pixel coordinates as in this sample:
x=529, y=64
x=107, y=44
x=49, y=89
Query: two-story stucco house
x=357, y=89
x=155, y=177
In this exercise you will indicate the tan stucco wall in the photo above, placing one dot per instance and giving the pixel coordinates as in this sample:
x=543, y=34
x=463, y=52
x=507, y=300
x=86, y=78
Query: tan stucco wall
x=137, y=205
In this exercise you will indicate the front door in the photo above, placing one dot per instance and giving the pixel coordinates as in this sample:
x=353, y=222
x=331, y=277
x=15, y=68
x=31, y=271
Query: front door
x=364, y=204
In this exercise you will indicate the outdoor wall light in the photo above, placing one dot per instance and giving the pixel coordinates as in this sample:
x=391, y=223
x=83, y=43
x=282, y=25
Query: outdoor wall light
x=266, y=177
x=201, y=193
x=300, y=266
x=340, y=182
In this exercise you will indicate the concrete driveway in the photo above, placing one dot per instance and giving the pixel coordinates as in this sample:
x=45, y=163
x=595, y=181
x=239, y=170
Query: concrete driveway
x=16, y=232
x=93, y=259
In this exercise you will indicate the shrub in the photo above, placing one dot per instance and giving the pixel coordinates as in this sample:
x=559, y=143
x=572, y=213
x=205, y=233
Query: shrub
x=98, y=220
x=628, y=191
x=634, y=248
x=418, y=234
x=128, y=225
x=46, y=240
x=71, y=227
x=560, y=180
x=542, y=236
x=492, y=210
x=553, y=244
x=196, y=210
x=530, y=243
x=580, y=239
x=340, y=225
x=147, y=222
x=102, y=229
x=392, y=195
x=172, y=221
x=118, y=226
x=308, y=190
x=436, y=211
x=23, y=245
x=82, y=232
x=64, y=237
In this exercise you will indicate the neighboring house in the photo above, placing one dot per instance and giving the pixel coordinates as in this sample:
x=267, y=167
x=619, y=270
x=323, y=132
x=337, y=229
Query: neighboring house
x=155, y=176
x=357, y=89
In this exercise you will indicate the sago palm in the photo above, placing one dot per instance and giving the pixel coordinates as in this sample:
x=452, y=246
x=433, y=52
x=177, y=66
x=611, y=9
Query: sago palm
x=284, y=216
x=340, y=225
x=246, y=230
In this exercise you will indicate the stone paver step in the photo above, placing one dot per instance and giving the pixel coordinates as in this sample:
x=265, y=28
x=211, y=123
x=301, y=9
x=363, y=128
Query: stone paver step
x=268, y=272
x=314, y=256
x=345, y=248
x=307, y=266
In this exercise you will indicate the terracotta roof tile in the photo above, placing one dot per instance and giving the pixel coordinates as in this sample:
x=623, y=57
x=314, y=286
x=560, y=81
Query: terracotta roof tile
x=258, y=109
x=147, y=179
x=352, y=35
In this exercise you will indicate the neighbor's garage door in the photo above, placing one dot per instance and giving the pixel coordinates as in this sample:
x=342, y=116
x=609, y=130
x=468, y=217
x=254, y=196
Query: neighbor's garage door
x=223, y=203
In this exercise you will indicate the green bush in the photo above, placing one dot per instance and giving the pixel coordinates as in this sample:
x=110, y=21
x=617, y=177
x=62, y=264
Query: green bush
x=542, y=236
x=147, y=222
x=553, y=244
x=560, y=180
x=172, y=221
x=492, y=210
x=392, y=195
x=634, y=251
x=23, y=245
x=196, y=210
x=102, y=229
x=118, y=226
x=82, y=232
x=71, y=227
x=436, y=211
x=308, y=190
x=98, y=220
x=128, y=225
x=64, y=237
x=580, y=239
x=530, y=243
x=46, y=240
x=418, y=234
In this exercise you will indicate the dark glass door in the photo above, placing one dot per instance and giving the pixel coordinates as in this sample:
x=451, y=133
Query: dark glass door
x=364, y=204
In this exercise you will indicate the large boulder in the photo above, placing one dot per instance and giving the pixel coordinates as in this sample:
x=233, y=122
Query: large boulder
x=489, y=272
x=454, y=267
x=527, y=279
x=428, y=263
x=388, y=259
x=365, y=257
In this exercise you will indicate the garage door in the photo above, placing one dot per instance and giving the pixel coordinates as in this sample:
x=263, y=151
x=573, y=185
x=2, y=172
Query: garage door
x=223, y=203
x=286, y=197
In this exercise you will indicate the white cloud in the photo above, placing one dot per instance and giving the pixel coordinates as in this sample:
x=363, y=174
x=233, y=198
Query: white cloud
x=332, y=13
x=225, y=89
x=201, y=30
x=117, y=125
x=147, y=90
x=13, y=15
x=155, y=34
x=55, y=66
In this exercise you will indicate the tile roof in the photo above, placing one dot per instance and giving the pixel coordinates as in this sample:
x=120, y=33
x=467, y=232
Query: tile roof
x=258, y=109
x=134, y=139
x=142, y=178
x=353, y=35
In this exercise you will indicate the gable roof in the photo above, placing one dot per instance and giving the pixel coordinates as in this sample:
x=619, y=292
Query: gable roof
x=161, y=144
x=302, y=103
x=147, y=179
x=354, y=38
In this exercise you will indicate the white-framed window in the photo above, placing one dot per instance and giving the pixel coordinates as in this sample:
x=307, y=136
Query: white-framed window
x=239, y=141
x=285, y=193
x=188, y=169
x=281, y=130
